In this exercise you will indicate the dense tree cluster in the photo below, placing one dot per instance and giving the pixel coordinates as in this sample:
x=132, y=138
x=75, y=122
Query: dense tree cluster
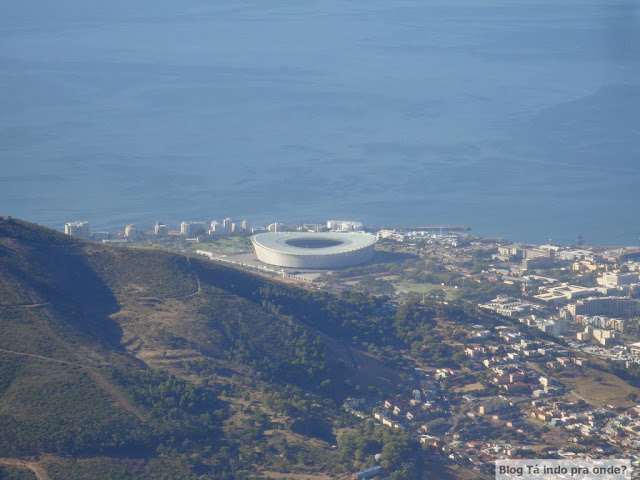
x=400, y=456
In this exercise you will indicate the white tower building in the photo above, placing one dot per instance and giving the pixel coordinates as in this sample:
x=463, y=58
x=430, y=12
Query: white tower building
x=78, y=229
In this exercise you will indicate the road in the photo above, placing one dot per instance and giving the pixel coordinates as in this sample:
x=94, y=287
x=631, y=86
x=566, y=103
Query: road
x=39, y=472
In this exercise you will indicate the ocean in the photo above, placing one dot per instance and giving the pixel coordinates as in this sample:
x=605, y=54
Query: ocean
x=520, y=118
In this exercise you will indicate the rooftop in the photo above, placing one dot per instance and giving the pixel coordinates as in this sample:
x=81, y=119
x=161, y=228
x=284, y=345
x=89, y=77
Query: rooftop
x=309, y=243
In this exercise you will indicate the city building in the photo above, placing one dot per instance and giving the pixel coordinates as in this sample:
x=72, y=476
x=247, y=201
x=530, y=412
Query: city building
x=509, y=306
x=192, y=229
x=612, y=306
x=563, y=293
x=344, y=226
x=216, y=228
x=508, y=253
x=131, y=232
x=620, y=255
x=78, y=229
x=312, y=227
x=573, y=255
x=634, y=348
x=161, y=230
x=606, y=338
x=536, y=258
x=611, y=279
x=391, y=234
x=276, y=227
x=618, y=324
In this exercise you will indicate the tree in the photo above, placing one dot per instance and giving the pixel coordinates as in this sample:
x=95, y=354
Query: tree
x=392, y=455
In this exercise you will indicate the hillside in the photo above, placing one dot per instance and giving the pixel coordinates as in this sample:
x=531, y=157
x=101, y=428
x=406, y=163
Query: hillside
x=131, y=363
x=136, y=363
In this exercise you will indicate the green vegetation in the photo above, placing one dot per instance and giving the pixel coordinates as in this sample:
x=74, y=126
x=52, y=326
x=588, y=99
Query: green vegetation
x=35, y=413
x=240, y=331
x=120, y=469
x=223, y=245
x=8, y=472
x=145, y=273
x=375, y=286
x=431, y=290
x=468, y=289
x=393, y=270
x=629, y=374
x=399, y=455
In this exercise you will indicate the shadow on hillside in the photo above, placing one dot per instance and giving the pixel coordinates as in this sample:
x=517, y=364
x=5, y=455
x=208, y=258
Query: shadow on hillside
x=77, y=294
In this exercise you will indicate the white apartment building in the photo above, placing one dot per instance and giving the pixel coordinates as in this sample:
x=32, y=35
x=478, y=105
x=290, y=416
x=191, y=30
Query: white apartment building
x=78, y=229
x=192, y=229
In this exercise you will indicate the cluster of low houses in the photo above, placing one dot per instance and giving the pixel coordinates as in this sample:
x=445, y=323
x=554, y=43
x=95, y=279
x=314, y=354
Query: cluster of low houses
x=423, y=405
x=576, y=422
x=505, y=361
x=624, y=430
x=572, y=416
x=522, y=390
x=482, y=455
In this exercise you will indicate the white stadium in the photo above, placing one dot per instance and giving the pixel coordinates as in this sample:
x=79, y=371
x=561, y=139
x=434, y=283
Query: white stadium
x=314, y=250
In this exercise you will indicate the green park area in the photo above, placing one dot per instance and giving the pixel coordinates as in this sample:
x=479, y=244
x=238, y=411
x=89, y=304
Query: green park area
x=223, y=245
x=430, y=290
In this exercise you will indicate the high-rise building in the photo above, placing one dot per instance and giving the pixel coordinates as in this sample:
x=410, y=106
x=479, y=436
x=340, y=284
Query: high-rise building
x=131, y=232
x=216, y=228
x=78, y=229
x=192, y=229
x=161, y=230
x=536, y=258
x=245, y=225
x=276, y=227
x=226, y=223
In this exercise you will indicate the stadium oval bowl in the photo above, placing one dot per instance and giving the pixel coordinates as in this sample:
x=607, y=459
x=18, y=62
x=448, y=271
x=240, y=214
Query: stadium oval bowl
x=314, y=250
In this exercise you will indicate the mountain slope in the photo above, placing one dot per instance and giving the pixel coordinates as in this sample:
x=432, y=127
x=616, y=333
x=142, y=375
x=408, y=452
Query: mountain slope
x=92, y=338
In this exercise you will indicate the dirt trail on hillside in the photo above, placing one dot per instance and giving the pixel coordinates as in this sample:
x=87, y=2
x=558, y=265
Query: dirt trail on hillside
x=26, y=305
x=39, y=472
x=199, y=285
x=41, y=357
x=120, y=399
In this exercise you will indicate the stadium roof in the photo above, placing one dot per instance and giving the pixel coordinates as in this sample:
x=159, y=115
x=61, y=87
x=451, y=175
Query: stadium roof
x=306, y=243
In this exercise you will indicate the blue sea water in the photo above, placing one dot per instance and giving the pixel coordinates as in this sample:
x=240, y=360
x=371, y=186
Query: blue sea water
x=520, y=118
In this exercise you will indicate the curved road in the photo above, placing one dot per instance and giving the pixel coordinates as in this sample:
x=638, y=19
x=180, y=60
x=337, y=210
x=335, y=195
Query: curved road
x=39, y=472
